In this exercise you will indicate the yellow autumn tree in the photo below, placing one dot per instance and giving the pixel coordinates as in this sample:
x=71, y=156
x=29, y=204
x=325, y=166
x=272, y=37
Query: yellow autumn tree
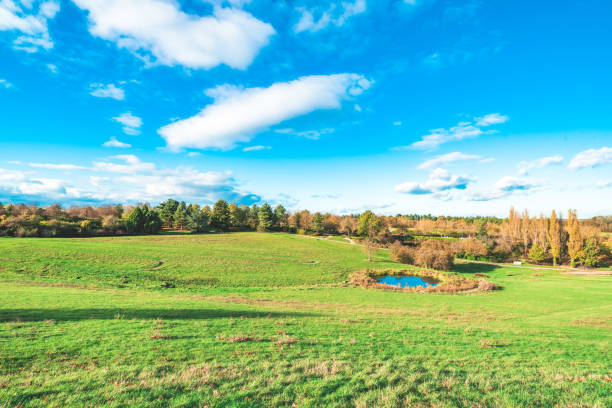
x=575, y=242
x=554, y=237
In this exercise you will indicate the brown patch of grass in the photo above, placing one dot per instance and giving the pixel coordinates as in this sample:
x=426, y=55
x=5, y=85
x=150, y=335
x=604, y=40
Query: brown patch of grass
x=283, y=340
x=240, y=338
x=597, y=321
x=486, y=343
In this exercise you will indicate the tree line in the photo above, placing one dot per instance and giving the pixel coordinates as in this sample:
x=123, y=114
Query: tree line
x=543, y=239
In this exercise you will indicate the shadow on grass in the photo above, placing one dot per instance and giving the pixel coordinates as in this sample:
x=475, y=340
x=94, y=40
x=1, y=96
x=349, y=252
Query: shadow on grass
x=31, y=315
x=474, y=267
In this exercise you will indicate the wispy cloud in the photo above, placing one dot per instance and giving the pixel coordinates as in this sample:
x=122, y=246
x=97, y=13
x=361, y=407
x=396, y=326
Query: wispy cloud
x=124, y=163
x=591, y=158
x=29, y=19
x=439, y=180
x=526, y=166
x=447, y=158
x=505, y=187
x=255, y=148
x=113, y=142
x=308, y=134
x=463, y=130
x=131, y=124
x=159, y=32
x=604, y=183
x=336, y=15
x=5, y=84
x=54, y=166
x=107, y=91
x=237, y=114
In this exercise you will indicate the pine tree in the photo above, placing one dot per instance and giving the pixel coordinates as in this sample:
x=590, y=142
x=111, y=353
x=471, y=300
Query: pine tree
x=265, y=218
x=281, y=217
x=317, y=223
x=180, y=216
x=220, y=217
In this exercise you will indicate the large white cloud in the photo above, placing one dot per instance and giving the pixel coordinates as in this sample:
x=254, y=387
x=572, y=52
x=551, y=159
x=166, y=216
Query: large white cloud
x=236, y=114
x=120, y=179
x=29, y=19
x=591, y=158
x=159, y=32
x=439, y=180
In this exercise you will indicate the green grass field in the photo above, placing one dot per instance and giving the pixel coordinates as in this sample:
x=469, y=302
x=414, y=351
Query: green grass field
x=265, y=320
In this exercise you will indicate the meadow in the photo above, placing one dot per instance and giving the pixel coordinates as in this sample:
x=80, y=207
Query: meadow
x=263, y=319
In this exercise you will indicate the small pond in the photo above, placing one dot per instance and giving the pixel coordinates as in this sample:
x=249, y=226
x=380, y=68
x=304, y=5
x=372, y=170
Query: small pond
x=407, y=281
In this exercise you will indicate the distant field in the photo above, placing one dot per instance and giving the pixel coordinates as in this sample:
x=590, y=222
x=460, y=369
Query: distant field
x=251, y=323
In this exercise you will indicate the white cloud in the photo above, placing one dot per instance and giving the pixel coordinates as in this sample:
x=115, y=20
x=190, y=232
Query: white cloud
x=5, y=84
x=53, y=166
x=128, y=163
x=491, y=119
x=124, y=179
x=335, y=15
x=131, y=124
x=236, y=114
x=604, y=183
x=439, y=180
x=30, y=19
x=525, y=166
x=591, y=158
x=463, y=130
x=255, y=148
x=308, y=134
x=505, y=187
x=107, y=91
x=159, y=32
x=113, y=142
x=447, y=158
x=44, y=186
x=193, y=154
x=52, y=68
x=397, y=123
x=11, y=175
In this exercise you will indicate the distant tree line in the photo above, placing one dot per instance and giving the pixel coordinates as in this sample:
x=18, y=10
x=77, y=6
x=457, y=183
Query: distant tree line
x=537, y=239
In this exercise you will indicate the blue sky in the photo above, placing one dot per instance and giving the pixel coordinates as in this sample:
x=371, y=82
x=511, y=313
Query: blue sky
x=433, y=106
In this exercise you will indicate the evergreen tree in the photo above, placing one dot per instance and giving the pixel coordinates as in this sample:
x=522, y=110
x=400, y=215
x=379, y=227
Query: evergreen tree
x=152, y=223
x=134, y=221
x=198, y=220
x=220, y=217
x=281, y=218
x=167, y=210
x=317, y=223
x=265, y=218
x=254, y=217
x=180, y=216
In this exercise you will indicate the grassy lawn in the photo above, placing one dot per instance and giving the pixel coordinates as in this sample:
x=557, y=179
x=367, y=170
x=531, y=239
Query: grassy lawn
x=253, y=321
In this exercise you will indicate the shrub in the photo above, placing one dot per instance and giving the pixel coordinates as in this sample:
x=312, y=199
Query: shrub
x=537, y=253
x=434, y=254
x=400, y=253
x=591, y=254
x=471, y=248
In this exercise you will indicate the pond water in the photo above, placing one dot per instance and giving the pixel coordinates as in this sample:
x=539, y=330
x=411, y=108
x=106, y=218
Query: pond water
x=407, y=281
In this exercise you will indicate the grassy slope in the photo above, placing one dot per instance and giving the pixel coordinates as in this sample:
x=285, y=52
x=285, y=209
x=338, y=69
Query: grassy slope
x=543, y=340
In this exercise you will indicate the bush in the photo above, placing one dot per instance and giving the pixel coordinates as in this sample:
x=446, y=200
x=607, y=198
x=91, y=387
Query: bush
x=434, y=254
x=537, y=253
x=592, y=253
x=400, y=253
x=471, y=248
